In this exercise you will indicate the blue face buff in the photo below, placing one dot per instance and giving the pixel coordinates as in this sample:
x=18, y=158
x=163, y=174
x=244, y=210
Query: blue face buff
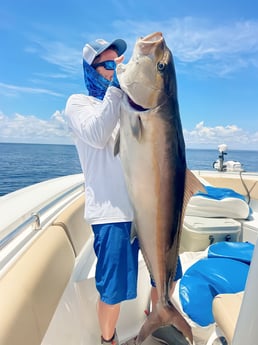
x=95, y=83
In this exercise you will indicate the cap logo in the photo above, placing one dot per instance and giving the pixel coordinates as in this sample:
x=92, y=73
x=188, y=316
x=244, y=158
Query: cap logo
x=101, y=41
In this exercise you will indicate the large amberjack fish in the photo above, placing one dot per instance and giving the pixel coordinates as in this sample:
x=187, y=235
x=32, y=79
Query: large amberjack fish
x=152, y=151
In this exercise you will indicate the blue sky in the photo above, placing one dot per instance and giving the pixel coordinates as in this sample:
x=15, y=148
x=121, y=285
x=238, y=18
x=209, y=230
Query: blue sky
x=214, y=44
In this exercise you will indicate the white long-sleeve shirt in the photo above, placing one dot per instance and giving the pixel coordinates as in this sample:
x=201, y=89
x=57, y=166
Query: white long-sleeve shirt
x=94, y=125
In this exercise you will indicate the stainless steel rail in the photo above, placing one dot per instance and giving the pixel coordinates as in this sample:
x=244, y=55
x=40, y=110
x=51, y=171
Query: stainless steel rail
x=35, y=220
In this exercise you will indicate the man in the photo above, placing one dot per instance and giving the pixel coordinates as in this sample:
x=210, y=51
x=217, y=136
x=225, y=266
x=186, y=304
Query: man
x=93, y=119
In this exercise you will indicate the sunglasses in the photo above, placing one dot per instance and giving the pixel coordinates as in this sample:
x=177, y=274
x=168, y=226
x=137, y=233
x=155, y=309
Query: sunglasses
x=109, y=65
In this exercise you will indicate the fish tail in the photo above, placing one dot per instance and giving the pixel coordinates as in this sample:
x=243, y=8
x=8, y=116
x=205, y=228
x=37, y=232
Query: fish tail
x=164, y=315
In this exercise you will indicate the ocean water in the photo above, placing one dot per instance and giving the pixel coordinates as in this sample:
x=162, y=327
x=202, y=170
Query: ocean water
x=24, y=164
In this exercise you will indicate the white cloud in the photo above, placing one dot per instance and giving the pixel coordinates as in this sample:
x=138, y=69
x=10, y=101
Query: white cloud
x=68, y=59
x=196, y=39
x=205, y=47
x=8, y=89
x=209, y=137
x=213, y=47
x=30, y=129
x=218, y=49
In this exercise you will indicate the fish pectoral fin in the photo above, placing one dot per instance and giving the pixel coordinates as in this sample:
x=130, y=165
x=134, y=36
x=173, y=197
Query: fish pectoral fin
x=136, y=126
x=192, y=185
x=133, y=235
x=117, y=144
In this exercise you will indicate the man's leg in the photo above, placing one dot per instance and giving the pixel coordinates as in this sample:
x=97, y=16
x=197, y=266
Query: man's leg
x=107, y=315
x=116, y=274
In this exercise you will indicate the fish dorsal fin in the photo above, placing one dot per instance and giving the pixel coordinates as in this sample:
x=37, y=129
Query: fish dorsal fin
x=192, y=185
x=117, y=144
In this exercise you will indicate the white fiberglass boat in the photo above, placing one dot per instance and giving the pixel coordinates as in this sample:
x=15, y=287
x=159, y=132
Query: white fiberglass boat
x=47, y=289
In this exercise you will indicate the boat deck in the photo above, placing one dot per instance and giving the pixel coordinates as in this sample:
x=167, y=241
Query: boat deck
x=167, y=335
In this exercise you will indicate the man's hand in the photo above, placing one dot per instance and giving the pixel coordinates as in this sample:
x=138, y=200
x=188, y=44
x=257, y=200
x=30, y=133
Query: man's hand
x=114, y=82
x=119, y=59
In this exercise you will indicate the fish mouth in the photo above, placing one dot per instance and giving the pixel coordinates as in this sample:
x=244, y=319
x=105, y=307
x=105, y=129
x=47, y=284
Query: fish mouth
x=135, y=106
x=155, y=37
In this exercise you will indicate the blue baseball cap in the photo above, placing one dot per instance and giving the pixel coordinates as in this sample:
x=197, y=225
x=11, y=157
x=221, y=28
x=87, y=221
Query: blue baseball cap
x=93, y=49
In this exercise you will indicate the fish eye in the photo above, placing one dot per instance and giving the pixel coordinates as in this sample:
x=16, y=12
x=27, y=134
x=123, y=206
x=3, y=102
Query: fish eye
x=161, y=66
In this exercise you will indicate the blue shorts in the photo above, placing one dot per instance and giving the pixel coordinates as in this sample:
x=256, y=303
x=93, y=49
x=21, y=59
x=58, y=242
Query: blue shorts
x=117, y=264
x=178, y=273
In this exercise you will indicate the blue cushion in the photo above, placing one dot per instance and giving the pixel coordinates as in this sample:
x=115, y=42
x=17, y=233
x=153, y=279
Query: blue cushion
x=241, y=251
x=220, y=193
x=225, y=270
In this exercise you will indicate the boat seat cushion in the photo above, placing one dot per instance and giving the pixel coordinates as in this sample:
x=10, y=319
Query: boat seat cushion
x=73, y=222
x=240, y=251
x=214, y=275
x=218, y=202
x=226, y=308
x=32, y=287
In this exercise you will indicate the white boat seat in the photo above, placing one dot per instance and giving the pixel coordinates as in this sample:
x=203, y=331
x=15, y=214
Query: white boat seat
x=74, y=224
x=32, y=286
x=226, y=308
x=218, y=202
